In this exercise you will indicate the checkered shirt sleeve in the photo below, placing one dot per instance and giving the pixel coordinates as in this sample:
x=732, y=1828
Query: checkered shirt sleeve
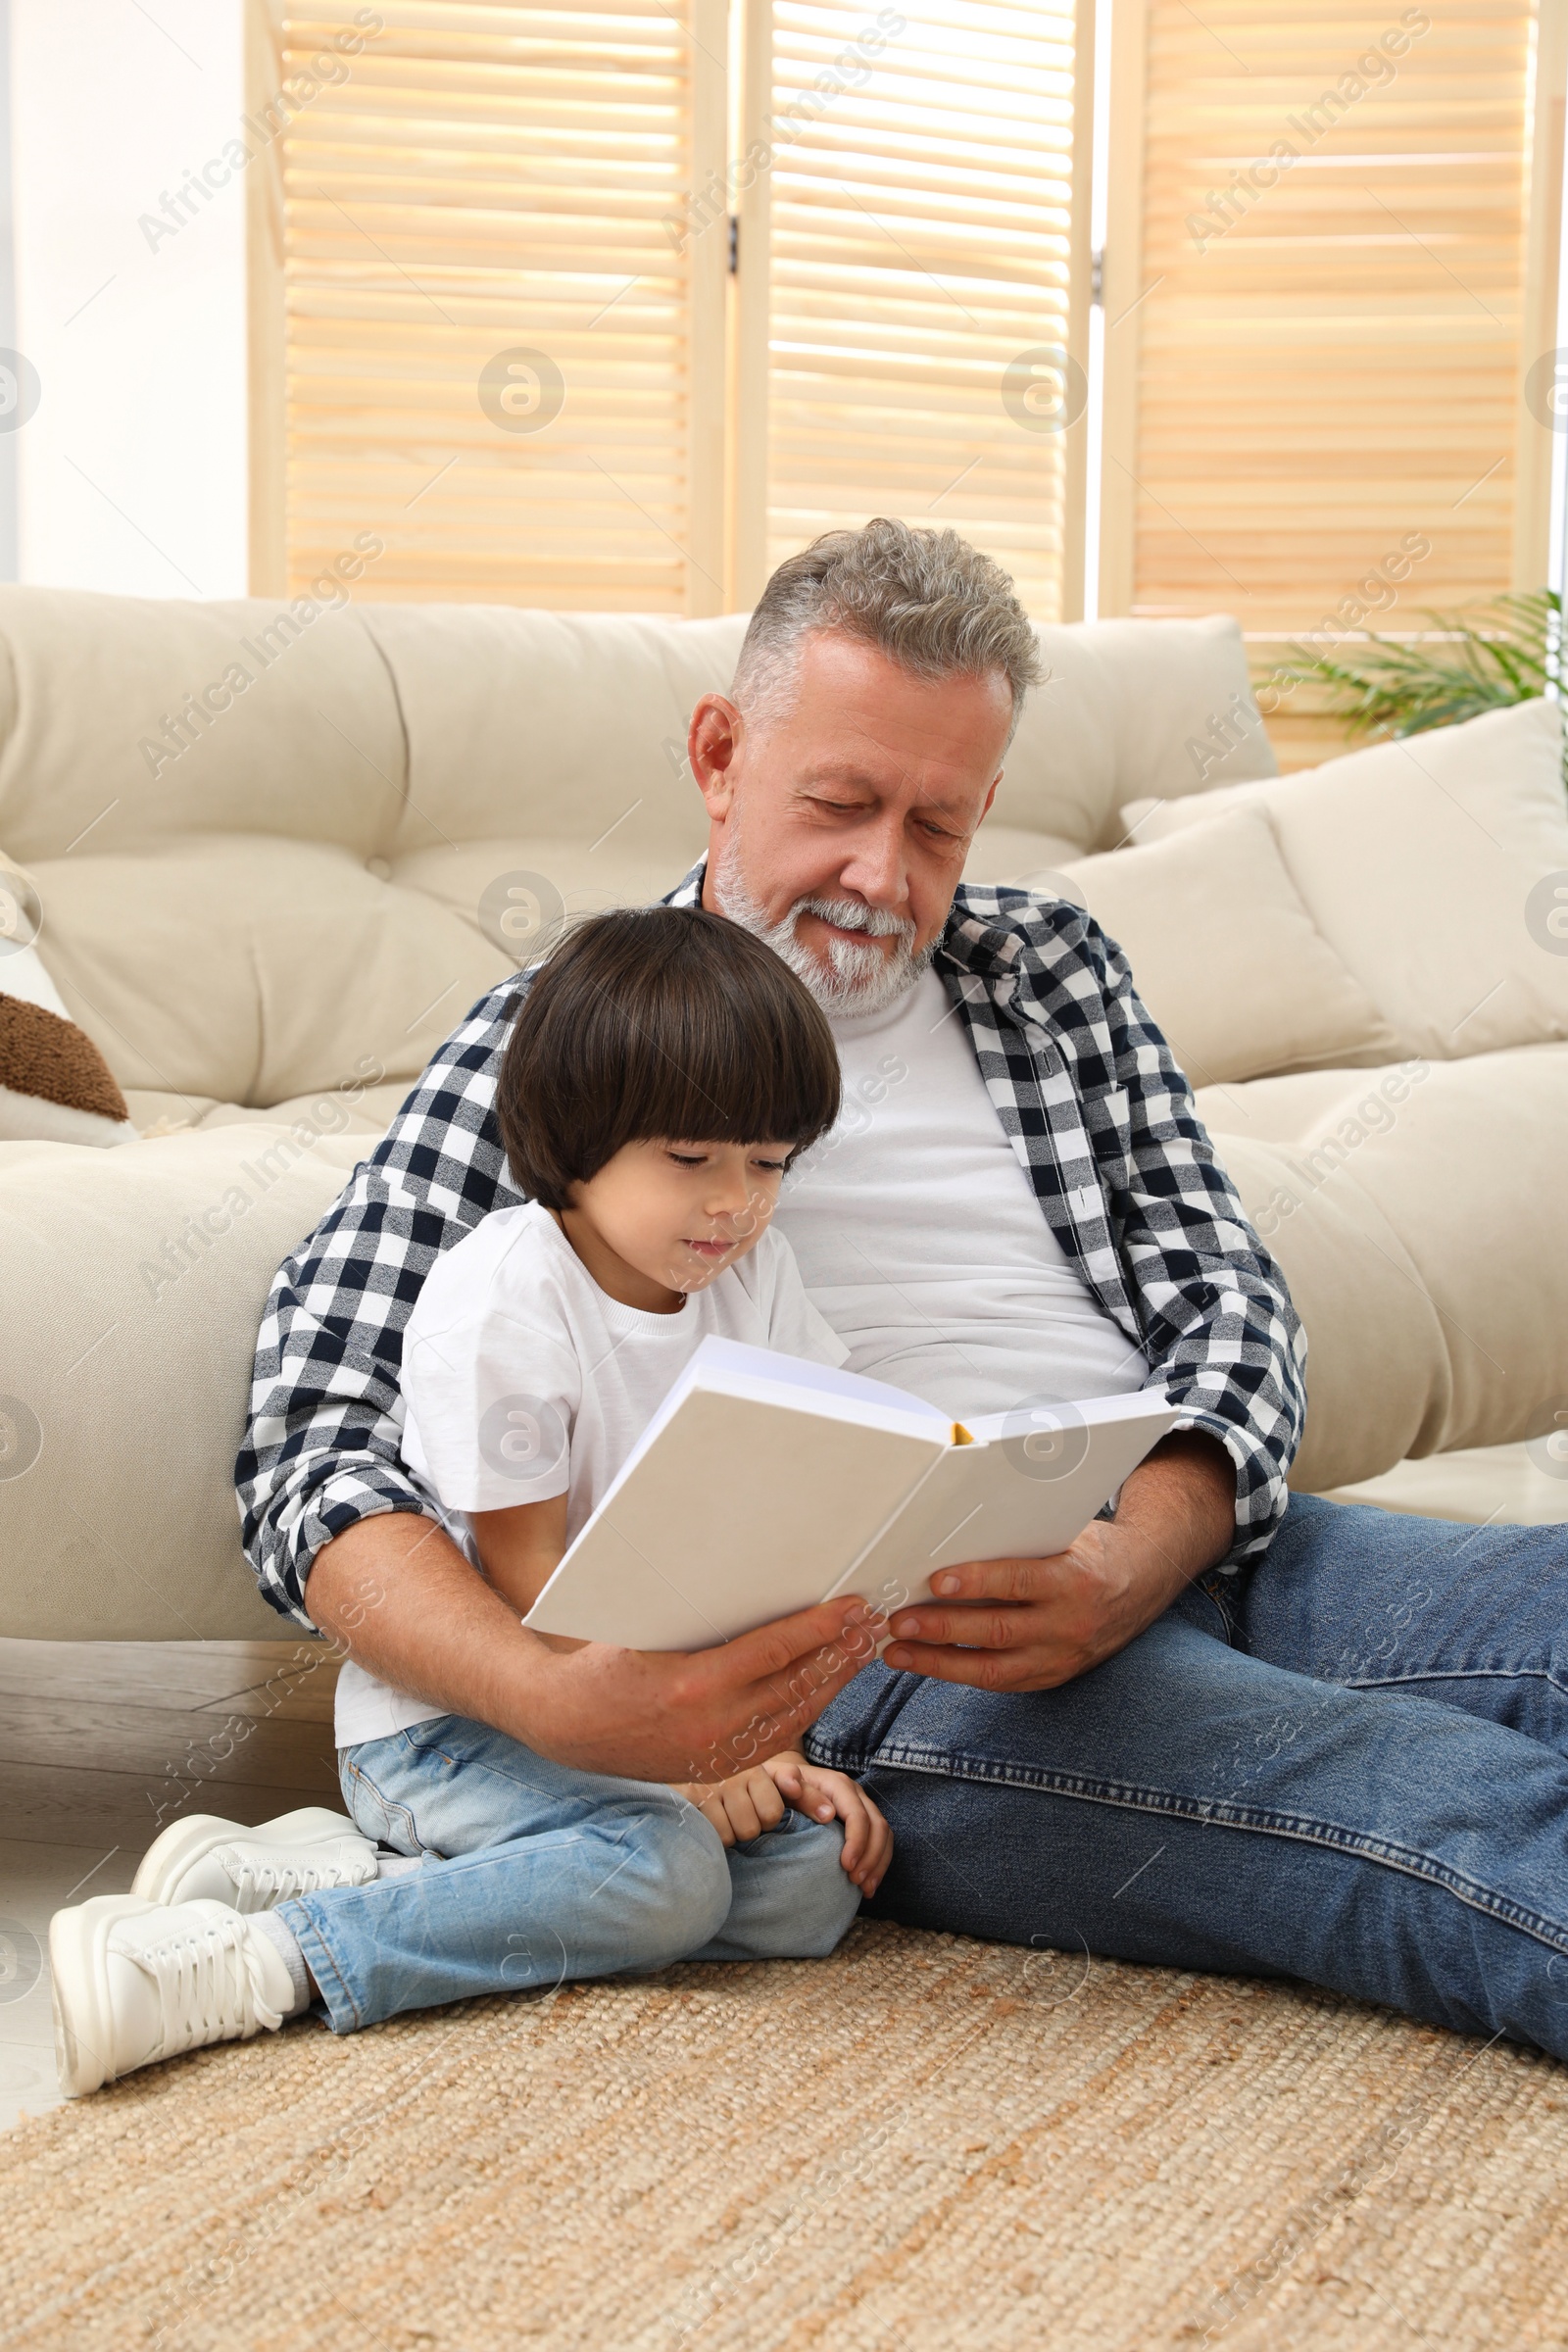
x=1131, y=1184
x=326, y=1413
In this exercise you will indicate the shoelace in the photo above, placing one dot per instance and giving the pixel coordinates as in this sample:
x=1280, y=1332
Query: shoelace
x=272, y=1881
x=209, y=1986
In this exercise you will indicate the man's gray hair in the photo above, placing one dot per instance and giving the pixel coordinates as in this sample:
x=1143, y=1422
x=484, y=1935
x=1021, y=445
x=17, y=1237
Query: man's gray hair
x=926, y=599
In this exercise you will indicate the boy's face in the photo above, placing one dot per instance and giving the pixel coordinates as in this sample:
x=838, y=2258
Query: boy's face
x=674, y=1214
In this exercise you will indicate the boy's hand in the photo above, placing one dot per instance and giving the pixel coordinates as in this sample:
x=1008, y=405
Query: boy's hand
x=821, y=1795
x=740, y=1808
x=753, y=1802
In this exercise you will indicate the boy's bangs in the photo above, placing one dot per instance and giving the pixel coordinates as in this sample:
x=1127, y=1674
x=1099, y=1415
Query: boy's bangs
x=718, y=1070
x=659, y=1025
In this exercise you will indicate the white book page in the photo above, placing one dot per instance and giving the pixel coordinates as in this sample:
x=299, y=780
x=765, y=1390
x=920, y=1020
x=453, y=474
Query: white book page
x=1094, y=1412
x=717, y=1356
x=994, y=1500
x=794, y=1380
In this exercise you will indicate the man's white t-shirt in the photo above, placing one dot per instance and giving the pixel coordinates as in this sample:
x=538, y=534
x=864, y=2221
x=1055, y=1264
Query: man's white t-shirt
x=920, y=1237
x=521, y=1380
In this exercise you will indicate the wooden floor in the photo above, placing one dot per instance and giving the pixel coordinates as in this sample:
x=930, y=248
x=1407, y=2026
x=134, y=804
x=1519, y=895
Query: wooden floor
x=102, y=1743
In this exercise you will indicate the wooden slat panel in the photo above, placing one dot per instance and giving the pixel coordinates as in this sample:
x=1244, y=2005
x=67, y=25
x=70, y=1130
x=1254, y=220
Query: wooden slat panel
x=488, y=179
x=266, y=308
x=919, y=241
x=1532, y=531
x=1326, y=366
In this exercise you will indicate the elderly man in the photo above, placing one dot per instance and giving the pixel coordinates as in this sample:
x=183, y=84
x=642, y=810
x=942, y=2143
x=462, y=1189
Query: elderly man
x=1227, y=1728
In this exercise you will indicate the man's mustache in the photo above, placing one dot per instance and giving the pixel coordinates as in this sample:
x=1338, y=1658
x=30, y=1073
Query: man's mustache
x=850, y=914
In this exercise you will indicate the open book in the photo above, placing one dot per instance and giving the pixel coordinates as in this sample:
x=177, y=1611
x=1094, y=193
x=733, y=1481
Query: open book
x=764, y=1483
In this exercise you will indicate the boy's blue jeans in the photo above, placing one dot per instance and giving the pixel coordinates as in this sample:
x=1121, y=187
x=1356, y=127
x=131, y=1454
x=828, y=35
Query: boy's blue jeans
x=1348, y=1765
x=533, y=1874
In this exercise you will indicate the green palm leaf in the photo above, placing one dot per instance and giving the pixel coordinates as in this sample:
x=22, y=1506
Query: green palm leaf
x=1506, y=651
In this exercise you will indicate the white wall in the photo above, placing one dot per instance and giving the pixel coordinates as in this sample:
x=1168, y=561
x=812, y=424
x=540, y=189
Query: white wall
x=132, y=468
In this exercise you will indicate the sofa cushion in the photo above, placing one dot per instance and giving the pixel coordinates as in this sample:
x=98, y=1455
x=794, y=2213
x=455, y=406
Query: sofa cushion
x=580, y=720
x=1379, y=1381
x=1167, y=700
x=364, y=1111
x=1407, y=1208
x=550, y=723
x=136, y=1282
x=106, y=739
x=1225, y=954
x=1417, y=860
x=514, y=890
x=1002, y=852
x=22, y=971
x=389, y=727
x=306, y=804
x=257, y=970
x=1485, y=1485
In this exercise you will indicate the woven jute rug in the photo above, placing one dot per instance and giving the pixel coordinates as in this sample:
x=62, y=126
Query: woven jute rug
x=921, y=2146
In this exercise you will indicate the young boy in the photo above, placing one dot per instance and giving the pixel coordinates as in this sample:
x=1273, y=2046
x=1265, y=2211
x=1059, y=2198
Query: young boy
x=663, y=1071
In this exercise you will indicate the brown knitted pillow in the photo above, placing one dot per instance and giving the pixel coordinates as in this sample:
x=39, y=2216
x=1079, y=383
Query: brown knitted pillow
x=55, y=1085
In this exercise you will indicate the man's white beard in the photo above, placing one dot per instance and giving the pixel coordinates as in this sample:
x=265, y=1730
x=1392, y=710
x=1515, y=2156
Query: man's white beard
x=855, y=979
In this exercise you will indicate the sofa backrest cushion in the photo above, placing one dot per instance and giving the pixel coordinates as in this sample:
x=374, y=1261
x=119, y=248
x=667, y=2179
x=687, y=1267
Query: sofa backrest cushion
x=250, y=969
x=123, y=721
x=1428, y=865
x=272, y=840
x=1166, y=700
x=1226, y=956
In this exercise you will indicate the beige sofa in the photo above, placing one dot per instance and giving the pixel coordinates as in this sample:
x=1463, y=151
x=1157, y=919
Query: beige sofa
x=279, y=850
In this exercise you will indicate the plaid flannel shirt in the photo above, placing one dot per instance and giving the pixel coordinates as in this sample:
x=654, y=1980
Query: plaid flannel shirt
x=1087, y=1091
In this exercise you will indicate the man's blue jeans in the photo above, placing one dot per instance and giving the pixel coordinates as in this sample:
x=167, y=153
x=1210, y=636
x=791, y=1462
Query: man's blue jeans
x=1348, y=1765
x=531, y=1873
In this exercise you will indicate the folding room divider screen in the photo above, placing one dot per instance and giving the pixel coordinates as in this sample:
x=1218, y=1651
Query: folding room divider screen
x=1329, y=280
x=611, y=303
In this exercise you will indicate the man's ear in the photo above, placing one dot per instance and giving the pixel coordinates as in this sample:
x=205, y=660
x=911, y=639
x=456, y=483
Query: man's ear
x=712, y=746
x=989, y=796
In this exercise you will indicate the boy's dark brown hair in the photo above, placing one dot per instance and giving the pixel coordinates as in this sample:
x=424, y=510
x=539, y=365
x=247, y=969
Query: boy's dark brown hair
x=655, y=1022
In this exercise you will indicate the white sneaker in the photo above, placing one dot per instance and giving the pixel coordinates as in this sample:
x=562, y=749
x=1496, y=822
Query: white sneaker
x=208, y=1860
x=136, y=1981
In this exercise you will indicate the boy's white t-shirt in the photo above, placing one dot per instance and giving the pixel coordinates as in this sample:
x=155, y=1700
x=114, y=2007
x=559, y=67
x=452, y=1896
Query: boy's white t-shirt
x=521, y=1380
